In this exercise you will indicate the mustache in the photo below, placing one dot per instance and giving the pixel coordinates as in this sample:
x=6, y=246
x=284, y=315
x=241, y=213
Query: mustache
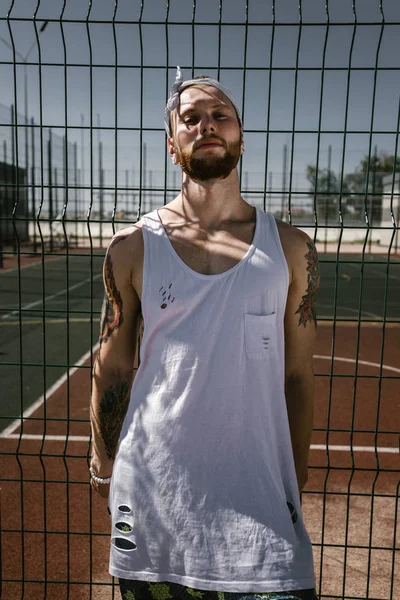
x=209, y=139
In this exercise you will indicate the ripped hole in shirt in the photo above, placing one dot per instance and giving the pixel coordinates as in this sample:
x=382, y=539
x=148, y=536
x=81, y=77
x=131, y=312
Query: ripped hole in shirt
x=123, y=543
x=125, y=527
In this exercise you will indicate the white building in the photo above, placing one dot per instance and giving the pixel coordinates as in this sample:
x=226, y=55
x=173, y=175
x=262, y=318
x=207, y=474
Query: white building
x=390, y=199
x=390, y=208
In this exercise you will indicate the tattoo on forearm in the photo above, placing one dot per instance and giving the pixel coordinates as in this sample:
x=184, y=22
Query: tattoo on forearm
x=111, y=314
x=307, y=308
x=112, y=411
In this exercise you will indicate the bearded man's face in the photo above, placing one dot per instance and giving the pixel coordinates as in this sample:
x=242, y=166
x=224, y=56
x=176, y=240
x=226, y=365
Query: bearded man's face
x=207, y=136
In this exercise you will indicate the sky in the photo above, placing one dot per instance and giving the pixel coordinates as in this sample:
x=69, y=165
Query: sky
x=133, y=65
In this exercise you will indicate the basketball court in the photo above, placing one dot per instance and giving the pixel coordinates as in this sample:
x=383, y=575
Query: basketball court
x=55, y=529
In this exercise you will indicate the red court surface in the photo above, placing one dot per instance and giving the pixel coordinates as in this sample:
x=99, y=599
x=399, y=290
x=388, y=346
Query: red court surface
x=355, y=521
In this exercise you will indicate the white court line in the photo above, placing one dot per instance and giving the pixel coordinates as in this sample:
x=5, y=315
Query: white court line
x=376, y=272
x=27, y=413
x=355, y=448
x=327, y=321
x=85, y=438
x=46, y=438
x=34, y=264
x=41, y=300
x=50, y=321
x=7, y=433
x=360, y=362
x=355, y=310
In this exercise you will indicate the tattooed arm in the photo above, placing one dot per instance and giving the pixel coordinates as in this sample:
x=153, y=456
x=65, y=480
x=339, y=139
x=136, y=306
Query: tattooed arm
x=113, y=369
x=300, y=330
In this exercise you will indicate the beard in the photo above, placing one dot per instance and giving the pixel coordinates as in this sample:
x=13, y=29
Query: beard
x=210, y=166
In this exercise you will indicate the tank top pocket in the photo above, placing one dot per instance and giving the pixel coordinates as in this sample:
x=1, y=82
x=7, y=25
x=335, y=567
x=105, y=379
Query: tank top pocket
x=259, y=334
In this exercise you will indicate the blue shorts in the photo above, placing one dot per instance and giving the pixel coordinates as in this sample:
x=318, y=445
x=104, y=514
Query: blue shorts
x=146, y=590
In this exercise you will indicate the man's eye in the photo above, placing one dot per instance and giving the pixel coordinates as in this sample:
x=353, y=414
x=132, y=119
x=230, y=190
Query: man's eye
x=190, y=120
x=220, y=116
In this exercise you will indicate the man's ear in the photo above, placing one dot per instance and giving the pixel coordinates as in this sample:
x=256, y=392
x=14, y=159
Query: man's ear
x=171, y=150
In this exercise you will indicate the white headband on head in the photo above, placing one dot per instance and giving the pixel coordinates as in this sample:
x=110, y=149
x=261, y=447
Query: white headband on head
x=178, y=87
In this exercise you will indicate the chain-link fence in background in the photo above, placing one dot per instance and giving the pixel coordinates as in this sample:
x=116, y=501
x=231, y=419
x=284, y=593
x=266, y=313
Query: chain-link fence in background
x=82, y=153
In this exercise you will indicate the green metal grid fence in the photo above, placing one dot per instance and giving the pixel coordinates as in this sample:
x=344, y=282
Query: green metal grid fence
x=73, y=170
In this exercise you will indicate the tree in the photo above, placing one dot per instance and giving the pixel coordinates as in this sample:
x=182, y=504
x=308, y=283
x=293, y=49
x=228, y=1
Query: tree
x=383, y=163
x=327, y=188
x=375, y=167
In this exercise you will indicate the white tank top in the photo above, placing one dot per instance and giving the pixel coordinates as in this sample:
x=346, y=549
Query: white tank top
x=204, y=470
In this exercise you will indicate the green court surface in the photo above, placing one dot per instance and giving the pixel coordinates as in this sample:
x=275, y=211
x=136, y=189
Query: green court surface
x=61, y=302
x=60, y=314
x=359, y=287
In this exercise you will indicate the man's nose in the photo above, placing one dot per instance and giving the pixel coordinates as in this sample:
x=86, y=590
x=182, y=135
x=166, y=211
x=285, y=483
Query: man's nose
x=206, y=124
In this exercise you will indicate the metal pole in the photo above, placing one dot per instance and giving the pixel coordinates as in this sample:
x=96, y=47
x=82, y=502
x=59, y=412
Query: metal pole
x=98, y=128
x=372, y=203
x=82, y=178
x=13, y=170
x=33, y=181
x=327, y=198
x=79, y=187
x=101, y=198
x=2, y=198
x=284, y=169
x=5, y=194
x=56, y=191
x=26, y=210
x=133, y=191
x=101, y=192
x=144, y=176
x=76, y=190
x=398, y=212
x=150, y=182
x=49, y=168
x=1, y=234
x=126, y=191
x=269, y=191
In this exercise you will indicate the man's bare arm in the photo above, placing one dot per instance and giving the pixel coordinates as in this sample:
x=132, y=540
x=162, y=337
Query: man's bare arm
x=113, y=369
x=300, y=331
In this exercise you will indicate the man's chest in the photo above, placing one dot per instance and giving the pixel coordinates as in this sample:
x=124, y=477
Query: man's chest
x=209, y=255
x=213, y=253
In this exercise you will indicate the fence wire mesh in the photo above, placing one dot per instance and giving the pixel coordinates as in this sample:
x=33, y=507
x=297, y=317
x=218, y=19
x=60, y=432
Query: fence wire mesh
x=83, y=153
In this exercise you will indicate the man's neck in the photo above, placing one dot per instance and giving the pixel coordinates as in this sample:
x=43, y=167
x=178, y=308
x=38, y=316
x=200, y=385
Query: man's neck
x=210, y=203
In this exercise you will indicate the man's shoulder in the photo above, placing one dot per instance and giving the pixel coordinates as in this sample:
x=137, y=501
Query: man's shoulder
x=295, y=243
x=131, y=236
x=127, y=243
x=291, y=236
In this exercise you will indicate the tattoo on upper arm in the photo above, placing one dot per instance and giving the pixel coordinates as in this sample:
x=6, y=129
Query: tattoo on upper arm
x=111, y=314
x=112, y=410
x=307, y=308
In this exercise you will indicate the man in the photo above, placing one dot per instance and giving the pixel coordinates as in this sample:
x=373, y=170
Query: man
x=208, y=447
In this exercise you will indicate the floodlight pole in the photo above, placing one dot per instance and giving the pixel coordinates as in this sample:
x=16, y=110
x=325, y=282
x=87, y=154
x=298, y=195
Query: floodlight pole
x=24, y=60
